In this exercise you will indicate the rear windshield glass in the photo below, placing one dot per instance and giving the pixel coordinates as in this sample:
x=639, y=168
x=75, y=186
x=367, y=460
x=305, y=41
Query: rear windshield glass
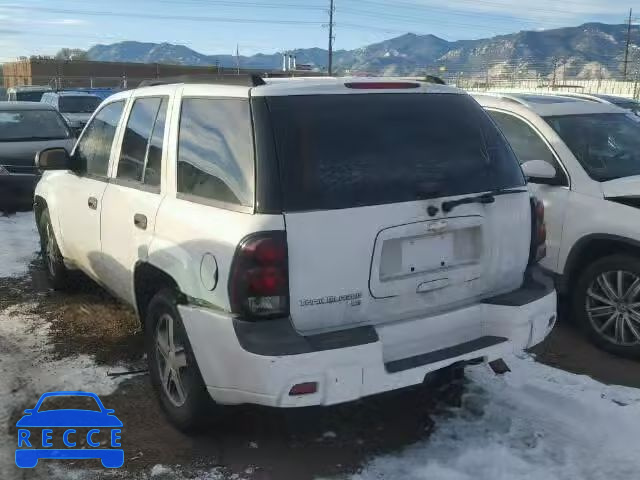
x=29, y=125
x=344, y=151
x=79, y=104
x=29, y=96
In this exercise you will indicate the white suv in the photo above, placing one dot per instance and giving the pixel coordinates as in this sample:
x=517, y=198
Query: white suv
x=583, y=160
x=300, y=243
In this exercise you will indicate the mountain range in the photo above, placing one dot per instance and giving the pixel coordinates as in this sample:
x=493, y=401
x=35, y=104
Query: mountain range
x=592, y=50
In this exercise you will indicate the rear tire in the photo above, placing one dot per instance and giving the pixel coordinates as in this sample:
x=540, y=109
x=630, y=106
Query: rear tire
x=57, y=272
x=173, y=368
x=606, y=304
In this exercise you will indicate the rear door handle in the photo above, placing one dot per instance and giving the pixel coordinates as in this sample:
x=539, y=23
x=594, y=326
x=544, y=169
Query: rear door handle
x=93, y=203
x=140, y=221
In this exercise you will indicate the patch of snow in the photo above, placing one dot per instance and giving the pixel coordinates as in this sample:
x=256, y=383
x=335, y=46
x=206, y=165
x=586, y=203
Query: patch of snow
x=536, y=423
x=28, y=368
x=19, y=240
x=164, y=472
x=329, y=434
x=160, y=470
x=608, y=37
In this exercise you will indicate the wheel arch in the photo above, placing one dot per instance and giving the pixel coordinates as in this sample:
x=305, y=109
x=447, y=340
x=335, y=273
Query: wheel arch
x=40, y=204
x=591, y=248
x=148, y=279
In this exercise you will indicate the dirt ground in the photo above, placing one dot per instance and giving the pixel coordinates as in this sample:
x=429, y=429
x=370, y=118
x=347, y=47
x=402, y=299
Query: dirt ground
x=252, y=442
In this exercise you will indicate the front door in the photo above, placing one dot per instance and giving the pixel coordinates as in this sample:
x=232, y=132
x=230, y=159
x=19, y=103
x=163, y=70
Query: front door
x=133, y=196
x=81, y=194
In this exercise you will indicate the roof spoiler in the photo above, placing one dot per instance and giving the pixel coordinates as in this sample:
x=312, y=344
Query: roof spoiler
x=244, y=80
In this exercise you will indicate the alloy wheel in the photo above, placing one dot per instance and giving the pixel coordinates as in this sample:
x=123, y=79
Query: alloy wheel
x=171, y=359
x=613, y=307
x=50, y=250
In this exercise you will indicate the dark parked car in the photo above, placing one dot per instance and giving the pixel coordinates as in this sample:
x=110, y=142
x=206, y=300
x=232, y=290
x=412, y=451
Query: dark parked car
x=25, y=129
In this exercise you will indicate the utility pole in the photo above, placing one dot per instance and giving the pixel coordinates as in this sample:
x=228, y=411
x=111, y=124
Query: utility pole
x=626, y=52
x=332, y=10
x=238, y=58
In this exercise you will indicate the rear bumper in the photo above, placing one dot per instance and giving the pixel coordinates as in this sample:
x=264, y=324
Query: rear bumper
x=17, y=189
x=259, y=363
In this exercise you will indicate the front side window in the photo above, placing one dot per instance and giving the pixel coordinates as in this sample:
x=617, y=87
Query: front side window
x=606, y=145
x=525, y=141
x=94, y=147
x=215, y=150
x=140, y=157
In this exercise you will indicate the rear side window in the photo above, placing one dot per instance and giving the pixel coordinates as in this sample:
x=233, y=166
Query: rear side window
x=344, y=151
x=141, y=154
x=94, y=147
x=215, y=150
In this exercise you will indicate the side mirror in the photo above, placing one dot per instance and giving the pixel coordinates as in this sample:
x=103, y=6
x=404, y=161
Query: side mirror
x=29, y=411
x=539, y=170
x=53, y=159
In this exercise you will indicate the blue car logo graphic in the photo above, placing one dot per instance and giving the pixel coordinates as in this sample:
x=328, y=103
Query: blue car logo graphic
x=32, y=446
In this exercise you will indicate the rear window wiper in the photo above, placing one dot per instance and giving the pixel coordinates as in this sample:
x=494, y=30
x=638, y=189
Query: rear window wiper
x=484, y=199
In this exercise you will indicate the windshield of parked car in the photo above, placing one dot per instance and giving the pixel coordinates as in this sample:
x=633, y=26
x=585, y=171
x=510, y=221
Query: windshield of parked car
x=26, y=125
x=344, y=151
x=29, y=96
x=606, y=145
x=79, y=104
x=66, y=402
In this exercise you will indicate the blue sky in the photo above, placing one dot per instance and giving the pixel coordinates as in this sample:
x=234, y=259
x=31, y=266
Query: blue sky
x=216, y=26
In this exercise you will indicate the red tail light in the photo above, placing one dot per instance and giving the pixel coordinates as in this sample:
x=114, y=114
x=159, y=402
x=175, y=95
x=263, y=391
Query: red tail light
x=538, y=232
x=259, y=279
x=381, y=85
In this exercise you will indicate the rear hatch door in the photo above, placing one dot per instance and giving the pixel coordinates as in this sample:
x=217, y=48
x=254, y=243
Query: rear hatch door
x=366, y=182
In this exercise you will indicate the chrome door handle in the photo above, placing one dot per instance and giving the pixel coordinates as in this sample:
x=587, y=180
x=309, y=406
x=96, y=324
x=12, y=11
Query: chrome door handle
x=93, y=203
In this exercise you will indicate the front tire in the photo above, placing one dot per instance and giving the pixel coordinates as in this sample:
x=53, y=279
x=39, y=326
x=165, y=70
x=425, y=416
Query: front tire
x=606, y=303
x=173, y=368
x=57, y=272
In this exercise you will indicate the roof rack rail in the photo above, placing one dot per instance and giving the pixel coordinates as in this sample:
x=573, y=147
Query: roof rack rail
x=243, y=79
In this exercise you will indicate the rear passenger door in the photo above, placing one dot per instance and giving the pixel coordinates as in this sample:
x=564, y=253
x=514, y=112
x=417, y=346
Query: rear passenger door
x=134, y=193
x=528, y=144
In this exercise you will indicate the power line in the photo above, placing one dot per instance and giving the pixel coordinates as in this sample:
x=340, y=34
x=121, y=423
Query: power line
x=406, y=4
x=429, y=11
x=166, y=17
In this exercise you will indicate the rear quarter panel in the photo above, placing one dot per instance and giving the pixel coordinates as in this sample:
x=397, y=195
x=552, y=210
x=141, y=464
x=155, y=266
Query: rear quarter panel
x=187, y=231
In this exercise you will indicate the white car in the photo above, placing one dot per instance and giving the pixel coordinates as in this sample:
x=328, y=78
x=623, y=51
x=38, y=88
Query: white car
x=583, y=160
x=300, y=243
